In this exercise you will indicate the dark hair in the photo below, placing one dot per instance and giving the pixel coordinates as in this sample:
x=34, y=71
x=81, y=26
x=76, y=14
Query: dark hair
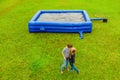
x=69, y=45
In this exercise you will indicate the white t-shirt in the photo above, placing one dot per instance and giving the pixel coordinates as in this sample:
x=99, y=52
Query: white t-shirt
x=66, y=52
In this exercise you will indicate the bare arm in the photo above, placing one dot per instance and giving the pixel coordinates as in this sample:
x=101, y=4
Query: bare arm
x=64, y=56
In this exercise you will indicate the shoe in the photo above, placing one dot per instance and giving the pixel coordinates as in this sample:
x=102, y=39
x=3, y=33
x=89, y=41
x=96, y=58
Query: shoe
x=71, y=70
x=67, y=69
x=61, y=72
x=78, y=72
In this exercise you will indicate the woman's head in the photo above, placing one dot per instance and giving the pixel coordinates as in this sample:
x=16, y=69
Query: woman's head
x=73, y=50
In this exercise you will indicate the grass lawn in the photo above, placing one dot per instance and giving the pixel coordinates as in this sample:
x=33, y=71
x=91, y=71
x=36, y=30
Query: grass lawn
x=37, y=56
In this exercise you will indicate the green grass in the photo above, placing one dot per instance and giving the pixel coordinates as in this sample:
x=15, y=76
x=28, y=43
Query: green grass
x=37, y=56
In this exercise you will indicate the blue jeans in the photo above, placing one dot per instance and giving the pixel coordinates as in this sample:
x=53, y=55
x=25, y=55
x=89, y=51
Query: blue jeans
x=65, y=64
x=73, y=67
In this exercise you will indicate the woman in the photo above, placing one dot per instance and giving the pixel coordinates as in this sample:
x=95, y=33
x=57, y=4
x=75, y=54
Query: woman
x=72, y=59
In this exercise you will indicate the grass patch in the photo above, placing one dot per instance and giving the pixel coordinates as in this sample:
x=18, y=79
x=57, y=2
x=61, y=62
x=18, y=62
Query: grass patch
x=37, y=56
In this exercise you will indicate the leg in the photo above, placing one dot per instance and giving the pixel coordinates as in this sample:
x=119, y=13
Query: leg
x=75, y=68
x=67, y=63
x=71, y=64
x=63, y=65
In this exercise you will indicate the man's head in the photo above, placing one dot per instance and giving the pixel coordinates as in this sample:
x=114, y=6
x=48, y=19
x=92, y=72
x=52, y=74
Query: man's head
x=69, y=45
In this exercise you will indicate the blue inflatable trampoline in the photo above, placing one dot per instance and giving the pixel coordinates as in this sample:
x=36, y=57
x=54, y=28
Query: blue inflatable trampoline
x=61, y=21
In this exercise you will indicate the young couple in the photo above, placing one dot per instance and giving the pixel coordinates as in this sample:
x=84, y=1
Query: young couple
x=69, y=56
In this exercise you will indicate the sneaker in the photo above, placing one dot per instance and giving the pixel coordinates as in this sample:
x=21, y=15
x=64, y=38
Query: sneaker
x=78, y=72
x=67, y=69
x=61, y=72
x=71, y=70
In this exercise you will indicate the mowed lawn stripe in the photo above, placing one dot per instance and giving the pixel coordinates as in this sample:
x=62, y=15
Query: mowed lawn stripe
x=9, y=8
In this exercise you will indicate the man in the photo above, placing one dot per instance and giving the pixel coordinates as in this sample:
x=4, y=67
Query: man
x=65, y=53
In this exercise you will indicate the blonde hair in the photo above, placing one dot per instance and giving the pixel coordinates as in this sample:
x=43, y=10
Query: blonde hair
x=73, y=50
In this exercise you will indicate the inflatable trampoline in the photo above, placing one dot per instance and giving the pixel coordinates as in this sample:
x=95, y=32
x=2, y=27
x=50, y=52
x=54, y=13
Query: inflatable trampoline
x=76, y=21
